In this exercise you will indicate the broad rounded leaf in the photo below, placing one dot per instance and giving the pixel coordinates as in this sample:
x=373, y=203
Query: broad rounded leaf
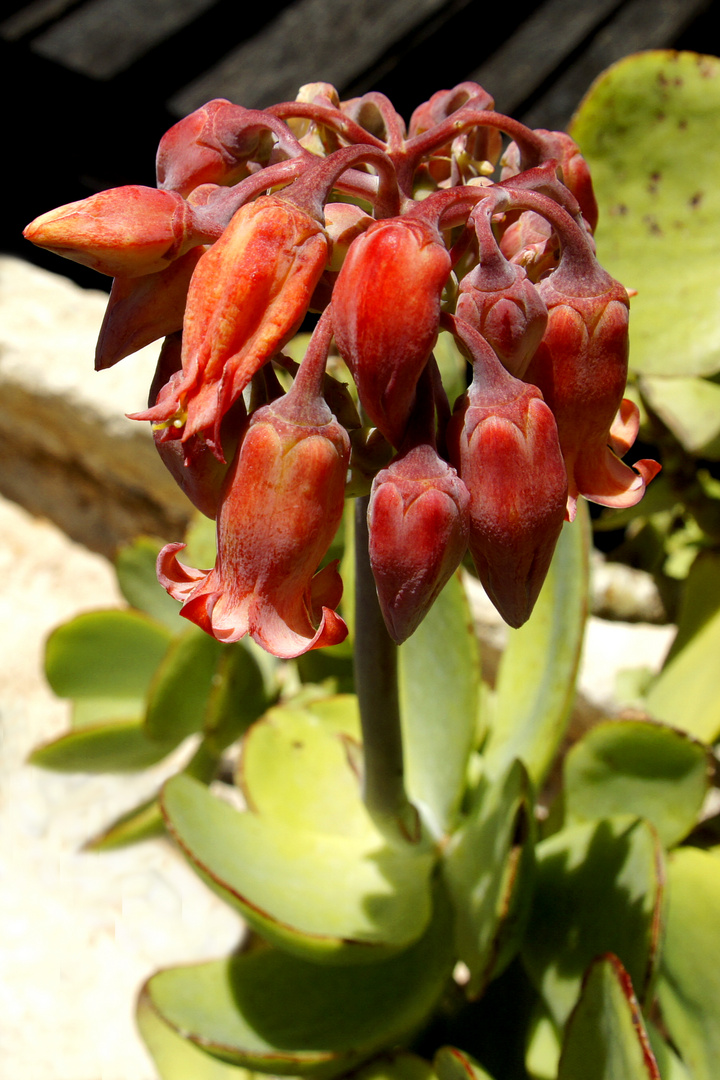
x=634, y=767
x=688, y=988
x=605, y=1037
x=177, y=1058
x=121, y=746
x=271, y=1011
x=536, y=679
x=439, y=703
x=181, y=686
x=106, y=655
x=291, y=752
x=650, y=130
x=690, y=408
x=599, y=888
x=339, y=898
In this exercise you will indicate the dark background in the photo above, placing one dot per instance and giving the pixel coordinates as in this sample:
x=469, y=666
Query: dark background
x=89, y=86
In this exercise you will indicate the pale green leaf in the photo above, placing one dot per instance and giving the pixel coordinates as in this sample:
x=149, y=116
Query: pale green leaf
x=271, y=1011
x=634, y=767
x=650, y=130
x=688, y=988
x=605, y=1037
x=486, y=868
x=598, y=889
x=536, y=679
x=439, y=673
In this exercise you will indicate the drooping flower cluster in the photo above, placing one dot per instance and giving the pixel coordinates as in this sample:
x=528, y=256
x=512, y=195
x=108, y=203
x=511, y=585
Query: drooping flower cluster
x=392, y=235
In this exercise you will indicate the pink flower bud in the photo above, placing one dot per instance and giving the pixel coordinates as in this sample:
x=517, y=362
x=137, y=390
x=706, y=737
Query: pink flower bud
x=418, y=526
x=123, y=232
x=386, y=314
x=498, y=301
x=502, y=439
x=247, y=297
x=281, y=505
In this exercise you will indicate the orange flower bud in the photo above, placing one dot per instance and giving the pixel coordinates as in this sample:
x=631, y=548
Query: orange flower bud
x=123, y=232
x=386, y=314
x=247, y=297
x=418, y=527
x=281, y=505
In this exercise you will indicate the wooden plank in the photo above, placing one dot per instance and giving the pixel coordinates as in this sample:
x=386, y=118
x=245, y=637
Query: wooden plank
x=537, y=47
x=311, y=40
x=638, y=25
x=104, y=37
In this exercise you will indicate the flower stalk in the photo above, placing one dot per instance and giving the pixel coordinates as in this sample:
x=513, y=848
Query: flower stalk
x=376, y=680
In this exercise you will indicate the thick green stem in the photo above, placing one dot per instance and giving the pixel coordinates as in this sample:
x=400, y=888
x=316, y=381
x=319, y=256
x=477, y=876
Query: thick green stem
x=377, y=690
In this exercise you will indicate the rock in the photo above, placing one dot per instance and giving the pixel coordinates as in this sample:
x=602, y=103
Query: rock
x=68, y=451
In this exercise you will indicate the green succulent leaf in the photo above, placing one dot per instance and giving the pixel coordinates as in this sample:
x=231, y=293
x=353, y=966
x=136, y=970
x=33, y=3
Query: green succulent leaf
x=140, y=823
x=688, y=987
x=669, y=1064
x=243, y=686
x=452, y=365
x=542, y=1053
x=137, y=578
x=305, y=864
x=487, y=867
x=118, y=746
x=105, y=662
x=453, y=1064
x=181, y=686
x=685, y=693
x=650, y=130
x=278, y=1013
x=292, y=752
x=536, y=679
x=175, y=1057
x=397, y=1065
x=690, y=408
x=599, y=888
x=439, y=703
x=605, y=1037
x=635, y=767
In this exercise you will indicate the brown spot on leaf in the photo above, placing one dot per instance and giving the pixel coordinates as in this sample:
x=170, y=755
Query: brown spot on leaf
x=696, y=199
x=652, y=224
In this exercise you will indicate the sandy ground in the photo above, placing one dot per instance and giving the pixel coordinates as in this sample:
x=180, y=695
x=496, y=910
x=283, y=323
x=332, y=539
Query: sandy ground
x=79, y=932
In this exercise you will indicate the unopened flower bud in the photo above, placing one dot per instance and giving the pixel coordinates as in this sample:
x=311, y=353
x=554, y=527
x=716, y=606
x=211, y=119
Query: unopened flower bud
x=386, y=315
x=247, y=297
x=123, y=232
x=418, y=526
x=502, y=439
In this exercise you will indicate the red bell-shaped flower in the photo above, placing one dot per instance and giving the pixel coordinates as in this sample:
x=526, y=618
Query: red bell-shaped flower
x=418, y=525
x=280, y=506
x=386, y=315
x=503, y=440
